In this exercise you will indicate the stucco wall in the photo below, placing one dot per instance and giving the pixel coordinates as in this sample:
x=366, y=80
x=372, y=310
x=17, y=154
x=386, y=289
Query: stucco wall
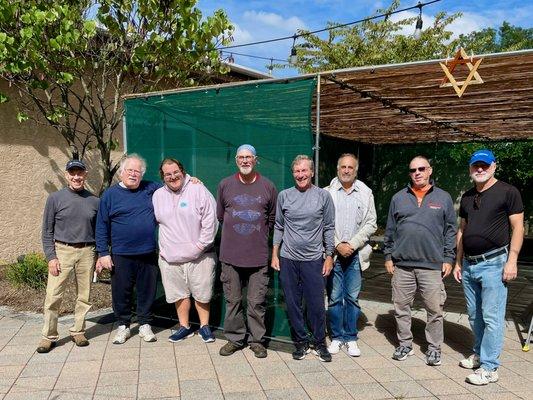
x=32, y=163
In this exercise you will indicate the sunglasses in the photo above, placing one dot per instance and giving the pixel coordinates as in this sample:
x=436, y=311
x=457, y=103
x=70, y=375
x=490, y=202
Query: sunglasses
x=419, y=169
x=477, y=201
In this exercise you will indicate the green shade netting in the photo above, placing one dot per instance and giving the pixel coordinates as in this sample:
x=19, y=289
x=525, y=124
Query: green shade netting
x=203, y=128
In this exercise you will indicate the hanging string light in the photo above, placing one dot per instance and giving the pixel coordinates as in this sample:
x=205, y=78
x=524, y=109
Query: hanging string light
x=294, y=56
x=419, y=23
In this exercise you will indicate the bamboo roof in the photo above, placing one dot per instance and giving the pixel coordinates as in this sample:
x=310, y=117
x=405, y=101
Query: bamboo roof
x=404, y=103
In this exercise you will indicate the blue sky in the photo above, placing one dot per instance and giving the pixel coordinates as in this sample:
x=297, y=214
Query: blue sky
x=256, y=20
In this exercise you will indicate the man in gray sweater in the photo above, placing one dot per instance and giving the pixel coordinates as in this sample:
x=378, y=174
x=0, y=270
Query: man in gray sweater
x=305, y=230
x=419, y=249
x=68, y=242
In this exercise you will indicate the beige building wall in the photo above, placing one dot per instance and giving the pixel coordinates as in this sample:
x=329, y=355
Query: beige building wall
x=32, y=164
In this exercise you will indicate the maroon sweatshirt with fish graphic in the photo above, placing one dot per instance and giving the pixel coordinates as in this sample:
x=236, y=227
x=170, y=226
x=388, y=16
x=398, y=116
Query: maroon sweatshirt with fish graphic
x=247, y=213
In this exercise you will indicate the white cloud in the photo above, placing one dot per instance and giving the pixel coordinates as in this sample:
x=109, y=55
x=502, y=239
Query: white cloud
x=273, y=20
x=469, y=22
x=241, y=35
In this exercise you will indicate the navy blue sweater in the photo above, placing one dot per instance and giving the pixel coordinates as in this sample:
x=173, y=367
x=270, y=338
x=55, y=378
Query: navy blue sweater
x=421, y=237
x=126, y=223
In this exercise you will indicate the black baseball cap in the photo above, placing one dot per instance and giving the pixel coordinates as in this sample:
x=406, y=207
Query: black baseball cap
x=75, y=164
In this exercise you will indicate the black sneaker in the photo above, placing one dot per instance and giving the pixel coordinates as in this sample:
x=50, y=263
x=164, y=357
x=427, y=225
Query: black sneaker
x=229, y=348
x=259, y=350
x=302, y=349
x=322, y=352
x=402, y=352
x=433, y=358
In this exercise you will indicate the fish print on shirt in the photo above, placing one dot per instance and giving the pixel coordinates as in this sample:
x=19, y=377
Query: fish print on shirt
x=247, y=215
x=247, y=200
x=246, y=229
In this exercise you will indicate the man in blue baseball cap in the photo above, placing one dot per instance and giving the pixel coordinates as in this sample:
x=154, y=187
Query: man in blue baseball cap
x=489, y=239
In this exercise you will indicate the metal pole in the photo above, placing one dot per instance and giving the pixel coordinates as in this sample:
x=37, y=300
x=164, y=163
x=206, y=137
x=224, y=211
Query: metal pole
x=317, y=132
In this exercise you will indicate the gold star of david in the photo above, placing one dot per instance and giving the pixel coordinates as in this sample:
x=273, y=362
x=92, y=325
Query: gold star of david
x=473, y=77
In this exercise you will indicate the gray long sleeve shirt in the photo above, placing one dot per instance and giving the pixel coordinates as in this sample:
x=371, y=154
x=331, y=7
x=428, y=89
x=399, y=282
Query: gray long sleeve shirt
x=305, y=224
x=69, y=217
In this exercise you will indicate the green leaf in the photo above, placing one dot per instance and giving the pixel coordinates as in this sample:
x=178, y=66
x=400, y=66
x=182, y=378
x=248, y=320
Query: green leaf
x=3, y=98
x=22, y=116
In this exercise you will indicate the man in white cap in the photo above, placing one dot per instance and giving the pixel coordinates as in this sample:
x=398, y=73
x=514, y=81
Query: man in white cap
x=489, y=238
x=246, y=207
x=68, y=242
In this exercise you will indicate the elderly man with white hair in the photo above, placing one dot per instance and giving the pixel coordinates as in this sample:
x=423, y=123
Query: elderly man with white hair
x=126, y=245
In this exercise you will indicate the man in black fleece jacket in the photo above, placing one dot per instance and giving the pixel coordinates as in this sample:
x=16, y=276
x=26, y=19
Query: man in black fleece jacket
x=419, y=249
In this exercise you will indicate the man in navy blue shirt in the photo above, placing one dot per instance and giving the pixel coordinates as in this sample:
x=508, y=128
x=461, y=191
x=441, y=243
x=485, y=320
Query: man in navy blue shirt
x=126, y=245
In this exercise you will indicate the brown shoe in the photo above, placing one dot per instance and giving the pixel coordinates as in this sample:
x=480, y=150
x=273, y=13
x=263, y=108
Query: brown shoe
x=259, y=350
x=45, y=346
x=80, y=340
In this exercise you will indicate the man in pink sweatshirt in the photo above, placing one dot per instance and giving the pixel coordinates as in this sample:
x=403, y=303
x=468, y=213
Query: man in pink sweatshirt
x=188, y=224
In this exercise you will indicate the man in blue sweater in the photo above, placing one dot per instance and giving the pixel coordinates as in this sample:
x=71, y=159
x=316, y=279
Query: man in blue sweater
x=419, y=249
x=126, y=245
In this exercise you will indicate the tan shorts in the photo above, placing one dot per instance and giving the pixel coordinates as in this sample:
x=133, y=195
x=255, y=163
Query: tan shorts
x=195, y=278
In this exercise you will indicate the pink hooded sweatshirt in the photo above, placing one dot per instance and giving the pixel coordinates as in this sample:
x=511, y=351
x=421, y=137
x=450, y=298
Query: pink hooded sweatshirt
x=187, y=221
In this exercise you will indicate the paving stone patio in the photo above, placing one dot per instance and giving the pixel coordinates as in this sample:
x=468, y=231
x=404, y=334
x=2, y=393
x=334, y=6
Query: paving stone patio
x=194, y=370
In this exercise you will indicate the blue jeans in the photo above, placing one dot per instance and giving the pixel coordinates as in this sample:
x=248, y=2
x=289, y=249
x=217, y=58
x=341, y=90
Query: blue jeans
x=343, y=287
x=486, y=297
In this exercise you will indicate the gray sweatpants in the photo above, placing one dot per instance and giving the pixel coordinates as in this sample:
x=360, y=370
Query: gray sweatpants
x=234, y=280
x=405, y=282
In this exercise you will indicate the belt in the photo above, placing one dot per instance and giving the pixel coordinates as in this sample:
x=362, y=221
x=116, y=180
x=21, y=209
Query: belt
x=76, y=245
x=487, y=256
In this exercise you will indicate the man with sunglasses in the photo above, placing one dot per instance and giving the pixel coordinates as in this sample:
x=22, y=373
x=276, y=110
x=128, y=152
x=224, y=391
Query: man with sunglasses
x=490, y=236
x=419, y=249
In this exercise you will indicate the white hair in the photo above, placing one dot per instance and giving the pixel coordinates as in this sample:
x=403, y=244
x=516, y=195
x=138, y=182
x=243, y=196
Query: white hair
x=132, y=156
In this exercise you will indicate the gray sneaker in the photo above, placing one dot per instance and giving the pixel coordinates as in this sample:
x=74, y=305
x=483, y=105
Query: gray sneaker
x=402, y=352
x=433, y=358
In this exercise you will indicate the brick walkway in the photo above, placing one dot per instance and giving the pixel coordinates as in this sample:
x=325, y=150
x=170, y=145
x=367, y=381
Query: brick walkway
x=194, y=370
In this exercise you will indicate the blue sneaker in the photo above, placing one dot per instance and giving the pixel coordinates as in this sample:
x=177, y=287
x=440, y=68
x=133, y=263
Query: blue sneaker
x=180, y=334
x=206, y=334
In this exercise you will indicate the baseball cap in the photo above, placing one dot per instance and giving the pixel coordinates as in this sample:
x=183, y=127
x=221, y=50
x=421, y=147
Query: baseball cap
x=75, y=164
x=484, y=155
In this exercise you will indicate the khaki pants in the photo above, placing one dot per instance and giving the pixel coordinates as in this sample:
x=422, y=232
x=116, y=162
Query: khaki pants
x=79, y=261
x=405, y=283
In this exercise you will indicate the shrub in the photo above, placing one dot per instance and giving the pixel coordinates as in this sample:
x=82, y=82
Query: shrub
x=30, y=270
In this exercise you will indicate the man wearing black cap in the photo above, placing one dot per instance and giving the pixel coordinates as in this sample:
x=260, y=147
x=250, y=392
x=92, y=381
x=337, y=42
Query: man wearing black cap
x=489, y=239
x=68, y=242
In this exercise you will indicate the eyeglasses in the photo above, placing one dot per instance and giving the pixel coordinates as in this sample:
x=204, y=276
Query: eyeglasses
x=133, y=172
x=477, y=166
x=177, y=174
x=419, y=169
x=244, y=158
x=477, y=201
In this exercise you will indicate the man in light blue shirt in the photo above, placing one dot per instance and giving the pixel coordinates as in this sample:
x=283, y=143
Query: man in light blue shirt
x=355, y=222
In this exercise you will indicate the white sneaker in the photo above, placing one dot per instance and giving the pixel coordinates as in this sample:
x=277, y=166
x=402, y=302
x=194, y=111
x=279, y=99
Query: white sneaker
x=353, y=348
x=335, y=346
x=482, y=377
x=472, y=362
x=145, y=332
x=123, y=334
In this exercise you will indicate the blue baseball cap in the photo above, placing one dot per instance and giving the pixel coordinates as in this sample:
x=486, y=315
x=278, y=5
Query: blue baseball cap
x=248, y=147
x=484, y=155
x=75, y=164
